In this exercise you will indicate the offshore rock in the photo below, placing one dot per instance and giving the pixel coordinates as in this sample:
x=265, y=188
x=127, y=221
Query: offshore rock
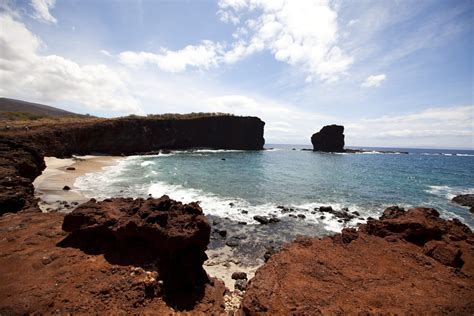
x=329, y=139
x=409, y=262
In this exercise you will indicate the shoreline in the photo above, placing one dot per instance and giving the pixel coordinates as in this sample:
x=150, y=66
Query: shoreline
x=52, y=198
x=49, y=185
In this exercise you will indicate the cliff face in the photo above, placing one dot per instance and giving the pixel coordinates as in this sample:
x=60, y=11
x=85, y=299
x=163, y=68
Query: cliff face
x=329, y=139
x=20, y=164
x=407, y=262
x=139, y=135
x=22, y=150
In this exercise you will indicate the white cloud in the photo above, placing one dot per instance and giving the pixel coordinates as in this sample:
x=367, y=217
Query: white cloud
x=42, y=8
x=25, y=73
x=303, y=34
x=202, y=56
x=438, y=127
x=300, y=33
x=374, y=81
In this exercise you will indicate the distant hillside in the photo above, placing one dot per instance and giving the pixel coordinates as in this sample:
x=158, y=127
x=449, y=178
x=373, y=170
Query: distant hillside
x=11, y=109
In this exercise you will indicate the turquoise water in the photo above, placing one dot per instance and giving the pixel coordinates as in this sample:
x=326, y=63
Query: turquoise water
x=227, y=182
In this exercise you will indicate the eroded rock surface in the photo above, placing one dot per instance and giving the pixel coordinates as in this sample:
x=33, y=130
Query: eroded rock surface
x=172, y=235
x=329, y=139
x=407, y=262
x=20, y=164
x=38, y=276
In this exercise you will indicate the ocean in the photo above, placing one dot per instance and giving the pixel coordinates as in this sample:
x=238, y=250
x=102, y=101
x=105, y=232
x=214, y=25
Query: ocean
x=236, y=185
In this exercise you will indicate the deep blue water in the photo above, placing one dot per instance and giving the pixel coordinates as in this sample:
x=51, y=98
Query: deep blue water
x=259, y=181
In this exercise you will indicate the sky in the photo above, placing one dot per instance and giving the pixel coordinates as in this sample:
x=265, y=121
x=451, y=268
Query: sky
x=394, y=73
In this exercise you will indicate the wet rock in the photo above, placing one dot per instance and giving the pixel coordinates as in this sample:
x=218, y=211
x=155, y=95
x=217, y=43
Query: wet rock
x=70, y=168
x=464, y=200
x=356, y=213
x=244, y=212
x=326, y=209
x=239, y=276
x=240, y=285
x=222, y=233
x=242, y=223
x=302, y=216
x=66, y=188
x=232, y=242
x=273, y=220
x=261, y=219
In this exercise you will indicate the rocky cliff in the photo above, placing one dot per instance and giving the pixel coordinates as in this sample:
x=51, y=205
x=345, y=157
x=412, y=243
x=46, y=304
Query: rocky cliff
x=329, y=139
x=22, y=148
x=408, y=262
x=139, y=135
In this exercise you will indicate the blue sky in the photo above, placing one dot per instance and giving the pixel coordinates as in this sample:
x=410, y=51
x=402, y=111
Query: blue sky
x=395, y=73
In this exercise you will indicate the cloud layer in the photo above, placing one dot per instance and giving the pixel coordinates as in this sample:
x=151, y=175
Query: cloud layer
x=41, y=8
x=25, y=73
x=303, y=34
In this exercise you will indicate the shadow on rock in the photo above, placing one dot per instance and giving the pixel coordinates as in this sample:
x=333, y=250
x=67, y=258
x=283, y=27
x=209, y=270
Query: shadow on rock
x=156, y=234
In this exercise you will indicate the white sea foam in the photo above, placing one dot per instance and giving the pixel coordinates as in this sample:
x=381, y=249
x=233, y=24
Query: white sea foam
x=232, y=208
x=447, y=191
x=147, y=163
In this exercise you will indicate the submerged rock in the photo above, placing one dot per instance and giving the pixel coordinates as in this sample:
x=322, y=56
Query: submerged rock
x=329, y=139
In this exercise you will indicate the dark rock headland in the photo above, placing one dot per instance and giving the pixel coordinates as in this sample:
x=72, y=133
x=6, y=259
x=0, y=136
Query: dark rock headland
x=329, y=139
x=22, y=150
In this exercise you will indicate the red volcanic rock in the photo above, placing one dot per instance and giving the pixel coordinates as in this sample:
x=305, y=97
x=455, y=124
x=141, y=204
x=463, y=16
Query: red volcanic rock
x=38, y=277
x=409, y=262
x=330, y=139
x=172, y=235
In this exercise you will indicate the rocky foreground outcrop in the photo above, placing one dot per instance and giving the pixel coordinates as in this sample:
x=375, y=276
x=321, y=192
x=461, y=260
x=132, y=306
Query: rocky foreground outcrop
x=172, y=235
x=407, y=262
x=329, y=139
x=118, y=256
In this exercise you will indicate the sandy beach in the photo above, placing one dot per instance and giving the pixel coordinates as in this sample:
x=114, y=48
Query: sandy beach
x=64, y=172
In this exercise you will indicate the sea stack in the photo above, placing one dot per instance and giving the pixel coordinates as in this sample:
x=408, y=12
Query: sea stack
x=329, y=139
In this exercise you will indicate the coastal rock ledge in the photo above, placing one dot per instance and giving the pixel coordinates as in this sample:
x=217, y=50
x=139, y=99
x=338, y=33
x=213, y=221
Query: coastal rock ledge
x=329, y=139
x=406, y=262
x=117, y=256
